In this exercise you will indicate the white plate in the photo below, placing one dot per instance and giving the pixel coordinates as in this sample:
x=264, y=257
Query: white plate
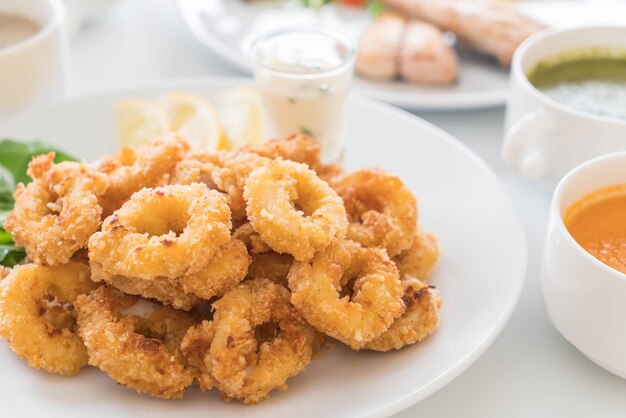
x=227, y=27
x=480, y=274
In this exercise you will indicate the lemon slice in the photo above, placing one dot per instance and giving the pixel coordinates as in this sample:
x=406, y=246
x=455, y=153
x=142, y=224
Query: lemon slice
x=139, y=122
x=193, y=118
x=240, y=113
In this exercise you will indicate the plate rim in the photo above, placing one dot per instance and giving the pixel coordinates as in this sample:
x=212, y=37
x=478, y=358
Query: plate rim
x=518, y=230
x=424, y=101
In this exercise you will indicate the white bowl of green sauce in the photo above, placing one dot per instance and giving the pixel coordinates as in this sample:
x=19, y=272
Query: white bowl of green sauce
x=567, y=101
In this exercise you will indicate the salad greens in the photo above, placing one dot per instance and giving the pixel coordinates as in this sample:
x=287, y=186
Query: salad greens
x=14, y=159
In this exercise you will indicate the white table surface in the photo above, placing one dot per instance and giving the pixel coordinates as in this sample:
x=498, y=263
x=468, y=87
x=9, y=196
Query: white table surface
x=530, y=371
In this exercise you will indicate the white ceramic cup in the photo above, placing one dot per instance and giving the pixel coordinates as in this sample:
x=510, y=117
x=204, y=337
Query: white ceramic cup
x=36, y=69
x=585, y=299
x=544, y=139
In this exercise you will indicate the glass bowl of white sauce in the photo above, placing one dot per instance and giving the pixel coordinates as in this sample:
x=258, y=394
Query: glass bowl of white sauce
x=303, y=75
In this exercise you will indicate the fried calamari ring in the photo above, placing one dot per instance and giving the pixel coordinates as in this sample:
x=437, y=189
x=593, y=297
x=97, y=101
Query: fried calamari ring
x=367, y=278
x=37, y=315
x=419, y=321
x=293, y=210
x=251, y=238
x=272, y=266
x=132, y=170
x=259, y=341
x=300, y=148
x=199, y=168
x=266, y=264
x=381, y=209
x=224, y=271
x=55, y=214
x=139, y=352
x=329, y=172
x=165, y=290
x=420, y=259
x=169, y=231
x=195, y=346
x=208, y=168
x=232, y=178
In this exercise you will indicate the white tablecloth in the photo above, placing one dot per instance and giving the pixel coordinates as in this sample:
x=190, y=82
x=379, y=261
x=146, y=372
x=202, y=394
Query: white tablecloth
x=530, y=371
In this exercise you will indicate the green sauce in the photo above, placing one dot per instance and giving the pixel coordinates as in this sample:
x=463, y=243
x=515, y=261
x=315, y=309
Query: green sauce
x=592, y=81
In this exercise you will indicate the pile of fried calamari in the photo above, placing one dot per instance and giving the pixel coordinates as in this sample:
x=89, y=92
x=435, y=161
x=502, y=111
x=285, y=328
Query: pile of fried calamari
x=249, y=258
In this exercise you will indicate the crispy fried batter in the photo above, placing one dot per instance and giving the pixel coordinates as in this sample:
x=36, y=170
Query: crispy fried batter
x=270, y=265
x=140, y=352
x=37, y=315
x=195, y=346
x=199, y=168
x=421, y=258
x=381, y=209
x=294, y=211
x=348, y=292
x=233, y=176
x=419, y=321
x=251, y=238
x=224, y=271
x=259, y=341
x=300, y=148
x=169, y=231
x=167, y=237
x=57, y=212
x=132, y=170
x=165, y=290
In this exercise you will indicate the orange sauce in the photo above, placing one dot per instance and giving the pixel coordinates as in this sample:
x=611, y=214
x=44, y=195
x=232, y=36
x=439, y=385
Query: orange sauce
x=598, y=223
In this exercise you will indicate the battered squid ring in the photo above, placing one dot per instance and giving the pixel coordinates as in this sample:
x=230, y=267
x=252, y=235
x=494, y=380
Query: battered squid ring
x=420, y=259
x=209, y=169
x=139, y=352
x=37, y=315
x=369, y=280
x=419, y=321
x=265, y=264
x=224, y=271
x=300, y=148
x=251, y=238
x=381, y=209
x=275, y=191
x=165, y=290
x=195, y=346
x=169, y=231
x=245, y=368
x=55, y=214
x=272, y=266
x=232, y=178
x=198, y=168
x=132, y=170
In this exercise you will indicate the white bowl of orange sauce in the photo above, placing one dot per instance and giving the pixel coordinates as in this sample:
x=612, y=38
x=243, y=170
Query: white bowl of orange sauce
x=584, y=268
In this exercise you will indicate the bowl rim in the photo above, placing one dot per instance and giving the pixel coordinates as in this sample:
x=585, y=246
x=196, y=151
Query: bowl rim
x=56, y=20
x=557, y=210
x=542, y=36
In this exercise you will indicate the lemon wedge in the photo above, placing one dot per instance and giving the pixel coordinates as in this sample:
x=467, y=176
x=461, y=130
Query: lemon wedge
x=139, y=122
x=240, y=113
x=193, y=118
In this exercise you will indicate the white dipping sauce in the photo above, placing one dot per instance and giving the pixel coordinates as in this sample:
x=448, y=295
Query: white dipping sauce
x=304, y=78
